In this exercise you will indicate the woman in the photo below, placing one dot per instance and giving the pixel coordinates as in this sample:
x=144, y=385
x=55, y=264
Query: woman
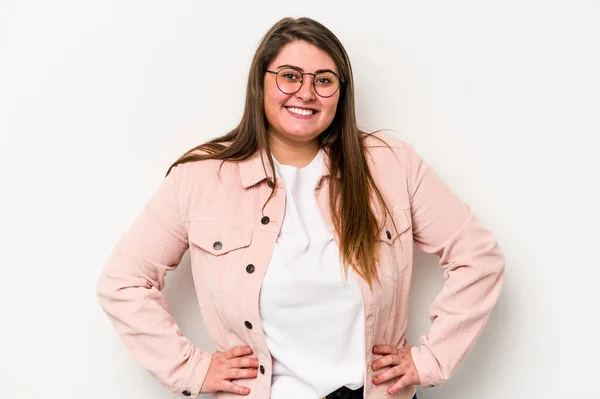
x=272, y=213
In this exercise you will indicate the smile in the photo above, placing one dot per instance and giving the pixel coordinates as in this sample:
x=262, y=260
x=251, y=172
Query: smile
x=300, y=111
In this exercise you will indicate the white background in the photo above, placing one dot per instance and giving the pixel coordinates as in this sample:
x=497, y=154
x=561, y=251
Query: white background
x=97, y=98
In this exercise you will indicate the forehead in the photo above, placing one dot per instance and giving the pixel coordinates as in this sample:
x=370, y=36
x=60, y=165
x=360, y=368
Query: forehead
x=306, y=56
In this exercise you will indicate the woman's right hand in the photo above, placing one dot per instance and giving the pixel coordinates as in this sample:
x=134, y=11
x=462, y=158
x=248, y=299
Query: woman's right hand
x=227, y=366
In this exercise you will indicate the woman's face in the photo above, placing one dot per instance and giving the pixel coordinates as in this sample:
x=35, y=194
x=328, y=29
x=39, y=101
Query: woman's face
x=302, y=116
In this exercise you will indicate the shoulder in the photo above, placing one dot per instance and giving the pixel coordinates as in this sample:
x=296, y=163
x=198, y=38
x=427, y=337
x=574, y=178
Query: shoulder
x=194, y=169
x=381, y=138
x=387, y=143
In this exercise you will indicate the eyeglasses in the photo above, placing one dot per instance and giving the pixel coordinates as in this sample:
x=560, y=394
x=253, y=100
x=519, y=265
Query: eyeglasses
x=289, y=81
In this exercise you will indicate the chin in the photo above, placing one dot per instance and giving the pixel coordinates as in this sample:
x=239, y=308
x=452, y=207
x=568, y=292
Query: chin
x=302, y=134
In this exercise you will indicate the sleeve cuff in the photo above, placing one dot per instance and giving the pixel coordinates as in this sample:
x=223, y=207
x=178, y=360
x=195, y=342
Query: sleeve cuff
x=196, y=379
x=427, y=367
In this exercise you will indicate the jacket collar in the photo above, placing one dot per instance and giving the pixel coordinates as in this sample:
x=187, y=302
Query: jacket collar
x=256, y=168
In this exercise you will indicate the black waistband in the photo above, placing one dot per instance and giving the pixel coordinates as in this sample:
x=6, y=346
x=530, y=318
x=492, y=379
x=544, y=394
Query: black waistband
x=346, y=393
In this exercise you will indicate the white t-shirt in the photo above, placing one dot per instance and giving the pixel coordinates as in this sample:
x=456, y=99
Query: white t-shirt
x=312, y=318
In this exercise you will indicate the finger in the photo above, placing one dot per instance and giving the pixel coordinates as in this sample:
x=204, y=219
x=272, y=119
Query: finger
x=402, y=383
x=241, y=362
x=238, y=351
x=388, y=374
x=389, y=360
x=235, y=388
x=236, y=374
x=385, y=349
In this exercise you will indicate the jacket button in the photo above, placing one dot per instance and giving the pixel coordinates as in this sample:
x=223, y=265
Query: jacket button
x=388, y=234
x=265, y=220
x=271, y=184
x=186, y=393
x=248, y=325
x=217, y=245
x=250, y=268
x=262, y=369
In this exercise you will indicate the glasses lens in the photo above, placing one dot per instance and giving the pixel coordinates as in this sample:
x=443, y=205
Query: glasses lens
x=326, y=84
x=289, y=80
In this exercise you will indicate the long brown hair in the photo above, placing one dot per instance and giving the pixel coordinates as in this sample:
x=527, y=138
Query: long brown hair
x=350, y=195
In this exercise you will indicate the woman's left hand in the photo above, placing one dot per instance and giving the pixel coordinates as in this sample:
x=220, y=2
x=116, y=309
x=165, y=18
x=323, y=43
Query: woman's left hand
x=403, y=367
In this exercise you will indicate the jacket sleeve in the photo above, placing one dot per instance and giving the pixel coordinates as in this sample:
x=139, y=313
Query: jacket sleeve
x=129, y=291
x=473, y=271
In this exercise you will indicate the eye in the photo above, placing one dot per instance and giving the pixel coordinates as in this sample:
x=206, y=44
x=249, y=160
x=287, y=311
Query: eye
x=326, y=79
x=290, y=75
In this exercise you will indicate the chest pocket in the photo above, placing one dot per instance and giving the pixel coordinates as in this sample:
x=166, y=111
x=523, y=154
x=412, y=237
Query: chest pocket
x=217, y=252
x=395, y=245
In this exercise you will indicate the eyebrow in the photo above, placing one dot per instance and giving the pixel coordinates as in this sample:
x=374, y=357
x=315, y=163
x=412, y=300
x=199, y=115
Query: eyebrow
x=318, y=71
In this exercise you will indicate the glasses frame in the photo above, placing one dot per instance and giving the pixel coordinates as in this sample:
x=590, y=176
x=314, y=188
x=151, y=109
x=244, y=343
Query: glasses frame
x=276, y=73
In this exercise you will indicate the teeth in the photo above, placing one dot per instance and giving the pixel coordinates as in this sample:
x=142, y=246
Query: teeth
x=304, y=112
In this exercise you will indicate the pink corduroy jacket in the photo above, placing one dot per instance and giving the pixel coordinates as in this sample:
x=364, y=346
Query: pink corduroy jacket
x=218, y=215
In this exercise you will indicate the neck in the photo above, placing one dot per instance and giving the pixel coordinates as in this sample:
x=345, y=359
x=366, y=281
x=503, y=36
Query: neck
x=298, y=154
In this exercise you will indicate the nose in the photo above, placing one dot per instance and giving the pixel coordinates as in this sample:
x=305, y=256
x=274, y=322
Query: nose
x=307, y=91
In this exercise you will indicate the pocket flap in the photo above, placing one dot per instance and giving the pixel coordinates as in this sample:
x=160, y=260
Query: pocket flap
x=218, y=238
